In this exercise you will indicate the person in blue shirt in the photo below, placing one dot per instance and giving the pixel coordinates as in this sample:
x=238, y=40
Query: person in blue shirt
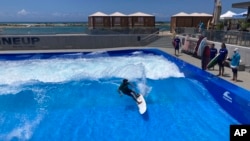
x=201, y=27
x=222, y=58
x=213, y=52
x=177, y=44
x=235, y=62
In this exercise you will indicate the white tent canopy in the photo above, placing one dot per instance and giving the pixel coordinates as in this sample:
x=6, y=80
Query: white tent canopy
x=240, y=15
x=227, y=15
x=98, y=14
x=183, y=14
x=117, y=14
x=140, y=14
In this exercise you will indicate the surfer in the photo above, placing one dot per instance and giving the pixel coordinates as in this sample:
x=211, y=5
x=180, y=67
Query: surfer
x=124, y=88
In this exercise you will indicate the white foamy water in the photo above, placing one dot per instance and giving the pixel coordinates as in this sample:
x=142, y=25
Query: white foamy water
x=59, y=70
x=24, y=132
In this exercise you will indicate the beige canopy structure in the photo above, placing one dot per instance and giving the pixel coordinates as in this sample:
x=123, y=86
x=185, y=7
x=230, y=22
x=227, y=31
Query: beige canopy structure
x=140, y=19
x=120, y=20
x=99, y=20
x=183, y=19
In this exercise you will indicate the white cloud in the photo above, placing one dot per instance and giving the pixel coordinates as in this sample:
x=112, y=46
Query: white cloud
x=56, y=14
x=23, y=12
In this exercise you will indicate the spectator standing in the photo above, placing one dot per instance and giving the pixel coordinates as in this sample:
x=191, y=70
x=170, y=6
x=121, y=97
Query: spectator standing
x=177, y=45
x=235, y=62
x=201, y=27
x=213, y=52
x=222, y=58
x=205, y=57
x=238, y=26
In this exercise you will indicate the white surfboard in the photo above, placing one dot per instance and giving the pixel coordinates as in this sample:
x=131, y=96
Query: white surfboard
x=202, y=46
x=142, y=106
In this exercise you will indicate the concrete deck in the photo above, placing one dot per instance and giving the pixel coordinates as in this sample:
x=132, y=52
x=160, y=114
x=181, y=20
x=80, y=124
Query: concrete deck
x=243, y=76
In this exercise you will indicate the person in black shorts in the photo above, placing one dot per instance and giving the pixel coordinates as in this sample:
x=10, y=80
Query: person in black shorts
x=213, y=52
x=177, y=45
x=221, y=58
x=124, y=88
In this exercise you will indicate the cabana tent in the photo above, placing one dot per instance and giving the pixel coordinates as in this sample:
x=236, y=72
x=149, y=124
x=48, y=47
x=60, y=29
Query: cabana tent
x=227, y=15
x=139, y=23
x=140, y=19
x=119, y=20
x=99, y=20
x=183, y=19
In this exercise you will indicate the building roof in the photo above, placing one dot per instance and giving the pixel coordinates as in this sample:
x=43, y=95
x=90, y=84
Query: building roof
x=180, y=14
x=183, y=14
x=205, y=14
x=137, y=14
x=244, y=5
x=200, y=15
x=117, y=14
x=98, y=14
x=140, y=14
x=194, y=14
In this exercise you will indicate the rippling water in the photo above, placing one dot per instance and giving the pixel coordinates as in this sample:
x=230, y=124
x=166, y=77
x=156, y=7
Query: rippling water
x=53, y=28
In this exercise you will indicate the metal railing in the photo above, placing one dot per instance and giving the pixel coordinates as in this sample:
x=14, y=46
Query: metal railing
x=241, y=38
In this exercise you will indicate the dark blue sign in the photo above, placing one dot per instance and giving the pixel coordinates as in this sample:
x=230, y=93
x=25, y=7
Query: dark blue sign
x=19, y=40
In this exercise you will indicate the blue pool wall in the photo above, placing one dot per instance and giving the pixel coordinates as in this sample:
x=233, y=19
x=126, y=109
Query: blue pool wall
x=234, y=99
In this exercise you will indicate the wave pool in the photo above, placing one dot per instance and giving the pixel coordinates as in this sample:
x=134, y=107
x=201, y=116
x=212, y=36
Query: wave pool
x=73, y=96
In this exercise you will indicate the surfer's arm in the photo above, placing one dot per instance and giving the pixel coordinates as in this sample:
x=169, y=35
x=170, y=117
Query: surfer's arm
x=132, y=86
x=119, y=91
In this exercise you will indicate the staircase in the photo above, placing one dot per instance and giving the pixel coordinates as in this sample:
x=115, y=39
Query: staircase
x=163, y=41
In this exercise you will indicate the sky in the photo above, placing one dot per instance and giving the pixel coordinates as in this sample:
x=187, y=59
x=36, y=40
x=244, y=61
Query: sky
x=79, y=10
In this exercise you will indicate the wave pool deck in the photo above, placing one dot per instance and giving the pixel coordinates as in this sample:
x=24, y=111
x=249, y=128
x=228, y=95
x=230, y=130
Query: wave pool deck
x=73, y=96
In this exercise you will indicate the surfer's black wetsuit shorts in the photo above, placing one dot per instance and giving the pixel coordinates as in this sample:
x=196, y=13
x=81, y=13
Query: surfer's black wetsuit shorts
x=127, y=92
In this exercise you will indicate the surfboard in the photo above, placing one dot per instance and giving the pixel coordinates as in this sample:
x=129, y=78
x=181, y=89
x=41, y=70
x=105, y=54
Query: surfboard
x=173, y=43
x=185, y=47
x=202, y=46
x=213, y=61
x=197, y=45
x=142, y=106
